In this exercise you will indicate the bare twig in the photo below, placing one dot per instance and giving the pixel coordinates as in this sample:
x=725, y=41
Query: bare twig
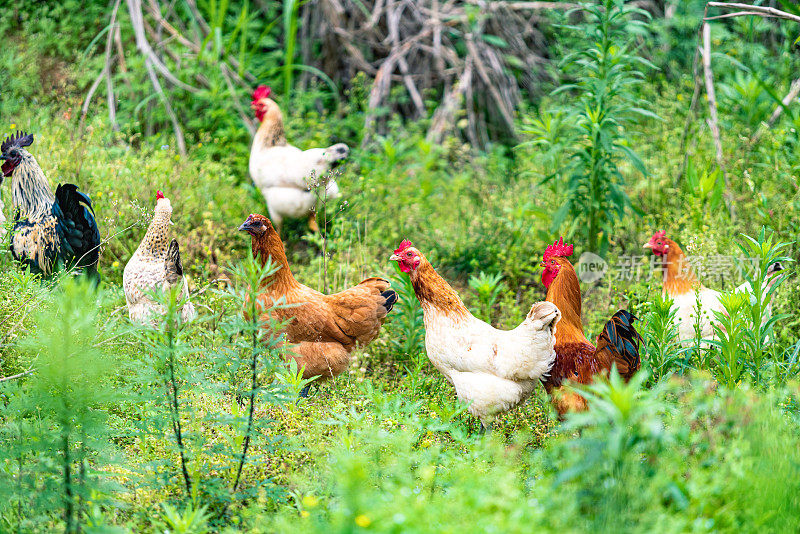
x=713, y=120
x=112, y=106
x=88, y=100
x=794, y=91
x=137, y=21
x=698, y=82
x=236, y=102
x=18, y=375
x=750, y=10
x=444, y=115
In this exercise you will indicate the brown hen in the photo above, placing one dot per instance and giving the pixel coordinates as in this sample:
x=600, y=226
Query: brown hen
x=324, y=329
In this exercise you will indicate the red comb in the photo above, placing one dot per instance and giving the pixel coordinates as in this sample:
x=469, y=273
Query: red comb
x=403, y=245
x=558, y=249
x=159, y=195
x=262, y=91
x=660, y=235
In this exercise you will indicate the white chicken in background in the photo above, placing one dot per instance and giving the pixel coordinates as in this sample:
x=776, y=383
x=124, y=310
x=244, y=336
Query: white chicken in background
x=682, y=286
x=156, y=264
x=493, y=370
x=282, y=172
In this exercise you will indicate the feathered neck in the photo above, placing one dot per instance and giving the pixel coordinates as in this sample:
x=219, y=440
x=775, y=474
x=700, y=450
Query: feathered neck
x=679, y=277
x=434, y=293
x=270, y=245
x=565, y=293
x=30, y=193
x=156, y=241
x=271, y=132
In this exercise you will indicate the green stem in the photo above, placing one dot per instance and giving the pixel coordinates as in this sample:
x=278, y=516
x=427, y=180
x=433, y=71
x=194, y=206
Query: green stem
x=253, y=385
x=176, y=417
x=69, y=498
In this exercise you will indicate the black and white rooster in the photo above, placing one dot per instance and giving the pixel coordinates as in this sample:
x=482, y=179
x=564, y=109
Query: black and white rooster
x=50, y=232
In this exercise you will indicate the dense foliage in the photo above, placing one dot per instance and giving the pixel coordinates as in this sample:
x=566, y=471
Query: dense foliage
x=196, y=428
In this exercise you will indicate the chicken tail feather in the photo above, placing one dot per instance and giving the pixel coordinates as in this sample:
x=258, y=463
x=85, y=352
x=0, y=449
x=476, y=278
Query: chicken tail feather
x=173, y=264
x=391, y=299
x=620, y=340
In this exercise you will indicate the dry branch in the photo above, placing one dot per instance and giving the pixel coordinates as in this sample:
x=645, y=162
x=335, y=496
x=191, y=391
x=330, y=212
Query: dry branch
x=750, y=10
x=18, y=375
x=436, y=47
x=713, y=119
x=790, y=97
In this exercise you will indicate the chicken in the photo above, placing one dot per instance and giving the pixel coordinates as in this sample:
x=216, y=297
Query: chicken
x=576, y=358
x=681, y=285
x=156, y=265
x=282, y=171
x=493, y=370
x=50, y=231
x=323, y=329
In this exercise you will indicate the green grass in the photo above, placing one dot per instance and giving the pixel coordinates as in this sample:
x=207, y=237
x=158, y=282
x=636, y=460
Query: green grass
x=386, y=447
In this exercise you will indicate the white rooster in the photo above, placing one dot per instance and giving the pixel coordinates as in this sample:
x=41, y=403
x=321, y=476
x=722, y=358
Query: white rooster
x=282, y=171
x=156, y=264
x=494, y=370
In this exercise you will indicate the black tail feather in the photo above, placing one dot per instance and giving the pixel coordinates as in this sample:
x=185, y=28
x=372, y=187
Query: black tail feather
x=173, y=264
x=77, y=228
x=391, y=299
x=622, y=340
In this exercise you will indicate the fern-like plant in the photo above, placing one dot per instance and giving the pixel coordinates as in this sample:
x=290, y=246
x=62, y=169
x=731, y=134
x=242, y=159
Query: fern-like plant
x=55, y=436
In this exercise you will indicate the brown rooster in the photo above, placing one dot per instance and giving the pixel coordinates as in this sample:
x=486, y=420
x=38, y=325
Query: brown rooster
x=576, y=358
x=323, y=328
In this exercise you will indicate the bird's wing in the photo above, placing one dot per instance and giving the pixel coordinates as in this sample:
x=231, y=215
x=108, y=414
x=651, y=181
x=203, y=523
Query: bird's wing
x=349, y=317
x=77, y=227
x=286, y=166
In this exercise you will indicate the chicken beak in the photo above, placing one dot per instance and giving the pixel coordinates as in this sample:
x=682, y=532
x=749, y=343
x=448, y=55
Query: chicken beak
x=394, y=257
x=647, y=245
x=244, y=227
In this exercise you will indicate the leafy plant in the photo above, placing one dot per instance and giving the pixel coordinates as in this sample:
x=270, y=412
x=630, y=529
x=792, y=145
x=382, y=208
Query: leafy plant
x=706, y=187
x=732, y=339
x=254, y=334
x=488, y=288
x=608, y=70
x=660, y=333
x=408, y=319
x=762, y=252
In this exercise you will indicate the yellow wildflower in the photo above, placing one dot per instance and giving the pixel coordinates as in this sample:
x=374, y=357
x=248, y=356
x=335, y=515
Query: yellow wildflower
x=309, y=501
x=363, y=521
x=303, y=513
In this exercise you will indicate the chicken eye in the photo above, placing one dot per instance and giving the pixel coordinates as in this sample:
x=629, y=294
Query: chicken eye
x=408, y=254
x=552, y=262
x=658, y=242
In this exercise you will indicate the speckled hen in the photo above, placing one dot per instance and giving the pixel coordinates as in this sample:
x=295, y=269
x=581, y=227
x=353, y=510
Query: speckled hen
x=156, y=265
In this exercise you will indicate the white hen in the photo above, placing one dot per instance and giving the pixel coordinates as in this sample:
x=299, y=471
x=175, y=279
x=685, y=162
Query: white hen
x=282, y=171
x=156, y=264
x=682, y=286
x=494, y=370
